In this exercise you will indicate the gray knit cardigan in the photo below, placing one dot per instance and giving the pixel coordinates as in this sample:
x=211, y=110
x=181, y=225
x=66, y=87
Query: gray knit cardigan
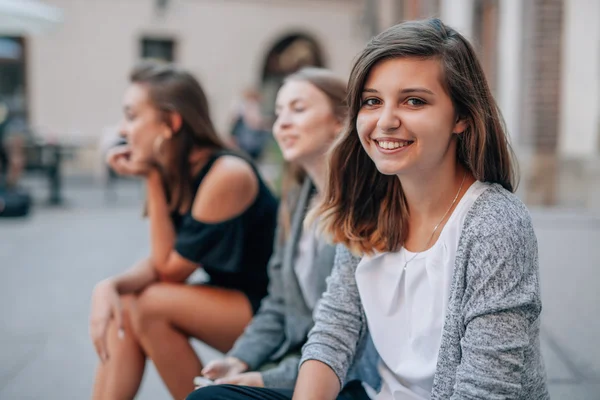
x=490, y=346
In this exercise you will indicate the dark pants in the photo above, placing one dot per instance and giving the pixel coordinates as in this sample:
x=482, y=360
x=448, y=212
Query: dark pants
x=352, y=391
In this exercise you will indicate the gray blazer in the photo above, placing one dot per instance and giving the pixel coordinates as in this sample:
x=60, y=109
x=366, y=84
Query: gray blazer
x=281, y=325
x=490, y=346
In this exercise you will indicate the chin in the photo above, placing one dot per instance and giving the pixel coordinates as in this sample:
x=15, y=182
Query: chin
x=387, y=168
x=290, y=157
x=140, y=157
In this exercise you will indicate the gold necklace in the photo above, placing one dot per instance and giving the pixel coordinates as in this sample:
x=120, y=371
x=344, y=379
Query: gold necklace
x=439, y=223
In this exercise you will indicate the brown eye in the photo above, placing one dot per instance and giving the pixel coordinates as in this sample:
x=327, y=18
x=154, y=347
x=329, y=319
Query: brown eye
x=413, y=101
x=371, y=102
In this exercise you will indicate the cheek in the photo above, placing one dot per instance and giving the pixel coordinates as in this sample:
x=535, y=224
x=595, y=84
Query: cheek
x=137, y=133
x=365, y=125
x=143, y=134
x=428, y=127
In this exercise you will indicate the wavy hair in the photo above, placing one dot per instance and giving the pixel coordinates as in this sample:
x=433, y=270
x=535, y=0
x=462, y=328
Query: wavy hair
x=366, y=210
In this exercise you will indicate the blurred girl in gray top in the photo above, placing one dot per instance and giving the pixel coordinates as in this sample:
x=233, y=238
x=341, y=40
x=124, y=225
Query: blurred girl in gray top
x=310, y=112
x=421, y=190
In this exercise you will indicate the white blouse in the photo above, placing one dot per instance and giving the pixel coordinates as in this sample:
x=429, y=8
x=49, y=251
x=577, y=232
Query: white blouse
x=405, y=308
x=304, y=265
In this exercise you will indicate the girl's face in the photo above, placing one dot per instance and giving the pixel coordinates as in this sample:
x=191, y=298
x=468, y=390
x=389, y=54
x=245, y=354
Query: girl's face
x=406, y=120
x=142, y=126
x=306, y=125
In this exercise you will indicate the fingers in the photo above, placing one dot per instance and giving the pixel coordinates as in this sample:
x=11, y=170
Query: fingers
x=245, y=379
x=200, y=382
x=118, y=315
x=231, y=380
x=100, y=345
x=98, y=333
x=117, y=153
x=117, y=159
x=214, y=369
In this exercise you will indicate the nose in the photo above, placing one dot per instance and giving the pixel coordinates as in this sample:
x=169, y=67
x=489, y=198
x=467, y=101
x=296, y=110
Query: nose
x=388, y=119
x=282, y=122
x=123, y=130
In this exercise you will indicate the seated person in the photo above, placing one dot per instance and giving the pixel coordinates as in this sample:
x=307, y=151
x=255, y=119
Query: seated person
x=209, y=209
x=310, y=114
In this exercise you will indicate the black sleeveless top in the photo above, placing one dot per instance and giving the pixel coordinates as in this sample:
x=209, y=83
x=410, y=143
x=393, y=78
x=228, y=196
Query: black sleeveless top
x=234, y=253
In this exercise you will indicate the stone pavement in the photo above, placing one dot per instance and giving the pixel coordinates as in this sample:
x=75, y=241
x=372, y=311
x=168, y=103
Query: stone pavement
x=50, y=262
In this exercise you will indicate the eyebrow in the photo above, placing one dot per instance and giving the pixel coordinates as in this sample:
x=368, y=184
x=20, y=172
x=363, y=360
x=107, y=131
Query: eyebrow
x=403, y=91
x=296, y=100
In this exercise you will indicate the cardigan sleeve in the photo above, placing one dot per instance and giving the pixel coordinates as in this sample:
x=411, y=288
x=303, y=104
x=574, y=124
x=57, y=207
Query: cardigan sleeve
x=501, y=304
x=339, y=319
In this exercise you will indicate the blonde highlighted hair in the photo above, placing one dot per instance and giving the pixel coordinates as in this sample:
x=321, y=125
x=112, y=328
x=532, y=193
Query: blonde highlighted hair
x=335, y=90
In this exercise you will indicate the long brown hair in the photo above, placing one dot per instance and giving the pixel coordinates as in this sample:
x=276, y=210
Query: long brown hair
x=171, y=89
x=366, y=210
x=335, y=90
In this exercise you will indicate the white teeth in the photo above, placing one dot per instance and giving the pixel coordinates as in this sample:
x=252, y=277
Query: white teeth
x=392, y=145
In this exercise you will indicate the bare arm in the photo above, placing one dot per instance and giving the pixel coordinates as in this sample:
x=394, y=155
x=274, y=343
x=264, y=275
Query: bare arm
x=316, y=381
x=226, y=191
x=135, y=278
x=169, y=266
x=162, y=231
x=162, y=237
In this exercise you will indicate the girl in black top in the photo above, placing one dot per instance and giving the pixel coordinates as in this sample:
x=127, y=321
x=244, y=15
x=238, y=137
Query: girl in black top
x=208, y=208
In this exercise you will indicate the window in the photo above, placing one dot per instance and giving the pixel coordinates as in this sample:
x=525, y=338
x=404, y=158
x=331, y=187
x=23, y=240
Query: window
x=12, y=76
x=158, y=49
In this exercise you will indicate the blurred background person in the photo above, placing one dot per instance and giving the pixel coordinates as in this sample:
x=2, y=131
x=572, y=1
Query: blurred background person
x=208, y=208
x=249, y=130
x=12, y=146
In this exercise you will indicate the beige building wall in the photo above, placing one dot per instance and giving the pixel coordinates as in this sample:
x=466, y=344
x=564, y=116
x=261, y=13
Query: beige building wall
x=77, y=73
x=580, y=111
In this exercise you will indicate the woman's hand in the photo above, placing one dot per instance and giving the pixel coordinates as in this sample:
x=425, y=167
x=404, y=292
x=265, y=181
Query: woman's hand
x=225, y=368
x=106, y=304
x=119, y=159
x=246, y=379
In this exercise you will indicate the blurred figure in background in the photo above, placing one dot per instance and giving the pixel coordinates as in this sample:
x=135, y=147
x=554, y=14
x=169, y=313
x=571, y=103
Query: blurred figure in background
x=249, y=131
x=311, y=112
x=12, y=146
x=208, y=208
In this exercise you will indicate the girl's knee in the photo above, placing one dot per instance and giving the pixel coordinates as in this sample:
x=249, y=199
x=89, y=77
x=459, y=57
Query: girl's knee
x=147, y=308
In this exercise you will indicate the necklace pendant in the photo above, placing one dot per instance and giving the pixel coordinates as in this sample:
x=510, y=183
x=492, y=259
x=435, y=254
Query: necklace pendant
x=405, y=264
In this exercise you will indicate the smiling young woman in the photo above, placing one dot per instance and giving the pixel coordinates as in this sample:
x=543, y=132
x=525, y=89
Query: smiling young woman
x=437, y=257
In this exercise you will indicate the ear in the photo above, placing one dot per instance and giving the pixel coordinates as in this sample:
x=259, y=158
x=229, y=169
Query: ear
x=460, y=126
x=174, y=121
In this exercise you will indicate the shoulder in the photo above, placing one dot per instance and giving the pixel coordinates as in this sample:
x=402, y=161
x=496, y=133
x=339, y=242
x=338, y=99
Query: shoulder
x=227, y=190
x=344, y=261
x=344, y=256
x=498, y=238
x=498, y=212
x=233, y=168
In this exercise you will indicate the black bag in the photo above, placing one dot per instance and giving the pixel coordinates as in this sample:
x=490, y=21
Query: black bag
x=14, y=203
